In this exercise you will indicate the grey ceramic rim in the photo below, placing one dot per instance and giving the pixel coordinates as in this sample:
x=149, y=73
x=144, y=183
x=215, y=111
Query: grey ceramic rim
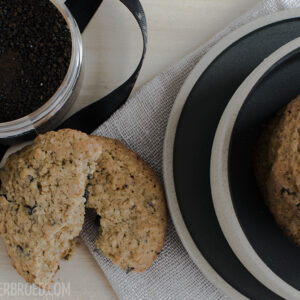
x=174, y=209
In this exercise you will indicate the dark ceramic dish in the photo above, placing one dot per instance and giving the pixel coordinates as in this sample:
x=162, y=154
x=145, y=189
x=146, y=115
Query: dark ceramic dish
x=243, y=217
x=278, y=87
x=187, y=159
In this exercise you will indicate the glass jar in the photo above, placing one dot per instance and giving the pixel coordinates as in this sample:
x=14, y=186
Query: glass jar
x=49, y=115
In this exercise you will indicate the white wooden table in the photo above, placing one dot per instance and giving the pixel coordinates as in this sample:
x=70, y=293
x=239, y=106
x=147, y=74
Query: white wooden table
x=112, y=45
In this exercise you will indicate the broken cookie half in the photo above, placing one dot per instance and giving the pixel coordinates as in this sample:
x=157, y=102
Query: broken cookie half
x=129, y=198
x=42, y=201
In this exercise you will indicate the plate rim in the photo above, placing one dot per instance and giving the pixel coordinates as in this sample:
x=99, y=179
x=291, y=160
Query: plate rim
x=170, y=135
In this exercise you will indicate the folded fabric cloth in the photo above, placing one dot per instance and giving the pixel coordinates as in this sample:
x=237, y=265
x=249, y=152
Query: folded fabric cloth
x=141, y=125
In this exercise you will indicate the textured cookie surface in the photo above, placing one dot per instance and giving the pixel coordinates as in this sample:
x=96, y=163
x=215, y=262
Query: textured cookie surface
x=277, y=164
x=129, y=199
x=42, y=201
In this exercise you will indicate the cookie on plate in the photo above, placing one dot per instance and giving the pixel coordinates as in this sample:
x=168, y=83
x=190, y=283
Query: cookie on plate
x=129, y=199
x=277, y=164
x=42, y=198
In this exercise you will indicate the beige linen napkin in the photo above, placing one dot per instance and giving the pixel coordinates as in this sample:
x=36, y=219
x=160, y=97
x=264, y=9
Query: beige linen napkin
x=141, y=125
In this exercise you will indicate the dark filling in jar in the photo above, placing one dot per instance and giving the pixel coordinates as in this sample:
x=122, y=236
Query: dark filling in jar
x=35, y=53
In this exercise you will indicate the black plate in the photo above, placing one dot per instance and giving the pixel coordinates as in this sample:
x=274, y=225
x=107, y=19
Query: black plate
x=192, y=148
x=276, y=88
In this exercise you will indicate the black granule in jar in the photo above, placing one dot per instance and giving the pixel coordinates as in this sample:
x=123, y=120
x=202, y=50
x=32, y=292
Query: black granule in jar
x=35, y=53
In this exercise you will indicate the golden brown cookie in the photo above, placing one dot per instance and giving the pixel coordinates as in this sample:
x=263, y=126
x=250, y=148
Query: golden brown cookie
x=277, y=164
x=129, y=198
x=42, y=201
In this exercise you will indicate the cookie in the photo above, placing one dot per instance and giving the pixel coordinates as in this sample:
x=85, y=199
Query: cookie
x=277, y=164
x=42, y=201
x=129, y=199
